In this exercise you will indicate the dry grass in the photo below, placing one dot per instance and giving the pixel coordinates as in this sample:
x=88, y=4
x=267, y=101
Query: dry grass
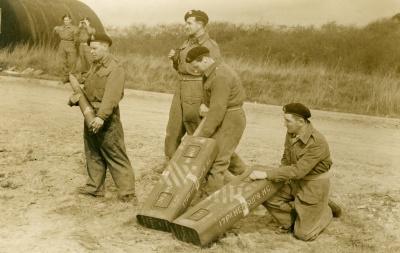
x=42, y=57
x=265, y=81
x=271, y=83
x=320, y=87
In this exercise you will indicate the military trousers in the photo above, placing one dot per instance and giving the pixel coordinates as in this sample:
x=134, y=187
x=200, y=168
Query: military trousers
x=85, y=57
x=304, y=204
x=228, y=136
x=67, y=57
x=106, y=150
x=183, y=114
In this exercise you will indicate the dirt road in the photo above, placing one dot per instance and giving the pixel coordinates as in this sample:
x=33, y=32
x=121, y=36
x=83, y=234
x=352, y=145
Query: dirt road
x=42, y=162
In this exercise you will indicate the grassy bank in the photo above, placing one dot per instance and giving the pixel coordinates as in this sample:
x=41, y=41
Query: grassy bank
x=334, y=68
x=43, y=57
x=272, y=83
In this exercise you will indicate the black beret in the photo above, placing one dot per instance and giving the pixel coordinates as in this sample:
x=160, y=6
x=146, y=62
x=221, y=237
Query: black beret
x=100, y=37
x=83, y=19
x=197, y=14
x=297, y=109
x=196, y=52
x=66, y=16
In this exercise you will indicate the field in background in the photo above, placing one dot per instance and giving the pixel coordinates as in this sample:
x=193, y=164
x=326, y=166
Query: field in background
x=332, y=67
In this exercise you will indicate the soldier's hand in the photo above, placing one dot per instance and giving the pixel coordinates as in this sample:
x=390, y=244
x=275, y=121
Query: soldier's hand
x=74, y=99
x=171, y=54
x=257, y=174
x=203, y=110
x=55, y=28
x=96, y=124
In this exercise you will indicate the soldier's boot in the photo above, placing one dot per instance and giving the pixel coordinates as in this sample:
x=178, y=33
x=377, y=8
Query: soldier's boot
x=336, y=210
x=130, y=198
x=282, y=230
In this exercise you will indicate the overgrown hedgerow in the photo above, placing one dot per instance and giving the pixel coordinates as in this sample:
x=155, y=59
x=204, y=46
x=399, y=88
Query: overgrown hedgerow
x=332, y=67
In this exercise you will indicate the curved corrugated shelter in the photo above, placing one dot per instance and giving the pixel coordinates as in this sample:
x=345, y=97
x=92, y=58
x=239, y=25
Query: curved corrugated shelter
x=33, y=21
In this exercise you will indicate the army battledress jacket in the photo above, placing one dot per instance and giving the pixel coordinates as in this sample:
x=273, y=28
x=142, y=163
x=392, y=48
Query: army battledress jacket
x=305, y=168
x=304, y=156
x=105, y=84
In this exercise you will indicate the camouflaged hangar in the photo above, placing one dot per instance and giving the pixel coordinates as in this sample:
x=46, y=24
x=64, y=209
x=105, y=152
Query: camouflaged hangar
x=33, y=21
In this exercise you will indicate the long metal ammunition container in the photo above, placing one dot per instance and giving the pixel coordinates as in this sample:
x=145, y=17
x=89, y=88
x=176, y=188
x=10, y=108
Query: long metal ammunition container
x=179, y=182
x=202, y=224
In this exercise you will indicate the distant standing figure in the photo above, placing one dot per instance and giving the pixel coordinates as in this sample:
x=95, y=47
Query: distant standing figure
x=82, y=33
x=66, y=49
x=302, y=205
x=104, y=139
x=184, y=111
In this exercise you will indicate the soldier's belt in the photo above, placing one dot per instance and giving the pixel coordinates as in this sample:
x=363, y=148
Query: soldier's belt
x=95, y=105
x=234, y=108
x=321, y=176
x=83, y=43
x=190, y=78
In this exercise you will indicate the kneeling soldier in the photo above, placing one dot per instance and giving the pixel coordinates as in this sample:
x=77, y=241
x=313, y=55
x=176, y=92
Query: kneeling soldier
x=302, y=205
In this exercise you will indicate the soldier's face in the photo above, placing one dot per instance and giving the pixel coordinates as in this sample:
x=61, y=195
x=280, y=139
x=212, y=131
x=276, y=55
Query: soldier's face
x=98, y=50
x=67, y=21
x=200, y=66
x=192, y=26
x=293, y=124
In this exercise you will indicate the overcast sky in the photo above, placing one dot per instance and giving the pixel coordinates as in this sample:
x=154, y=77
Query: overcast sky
x=276, y=12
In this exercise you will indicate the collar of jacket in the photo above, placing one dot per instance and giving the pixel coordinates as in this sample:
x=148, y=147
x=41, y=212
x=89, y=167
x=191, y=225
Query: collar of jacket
x=203, y=38
x=198, y=40
x=307, y=134
x=105, y=61
x=213, y=66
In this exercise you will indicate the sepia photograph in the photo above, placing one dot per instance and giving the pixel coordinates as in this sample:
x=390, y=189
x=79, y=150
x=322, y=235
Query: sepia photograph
x=200, y=126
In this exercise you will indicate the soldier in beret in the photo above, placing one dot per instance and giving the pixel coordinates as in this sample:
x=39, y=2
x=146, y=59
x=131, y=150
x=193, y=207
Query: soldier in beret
x=302, y=205
x=225, y=119
x=104, y=140
x=82, y=34
x=184, y=111
x=66, y=48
